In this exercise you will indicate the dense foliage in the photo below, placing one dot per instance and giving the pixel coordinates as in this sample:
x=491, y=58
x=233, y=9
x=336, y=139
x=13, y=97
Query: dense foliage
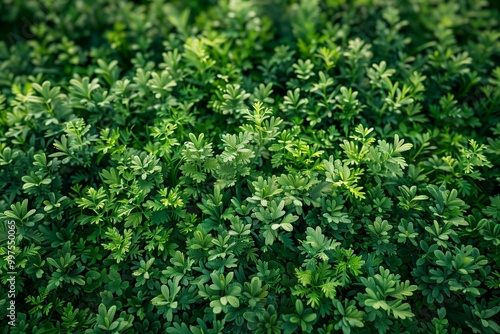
x=277, y=166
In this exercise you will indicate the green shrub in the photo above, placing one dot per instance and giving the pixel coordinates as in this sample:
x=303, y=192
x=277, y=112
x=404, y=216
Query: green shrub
x=232, y=166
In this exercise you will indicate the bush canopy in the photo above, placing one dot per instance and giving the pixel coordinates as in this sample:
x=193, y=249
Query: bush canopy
x=250, y=166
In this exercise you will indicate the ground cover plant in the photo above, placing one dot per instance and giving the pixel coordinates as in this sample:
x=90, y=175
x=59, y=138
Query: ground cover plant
x=231, y=166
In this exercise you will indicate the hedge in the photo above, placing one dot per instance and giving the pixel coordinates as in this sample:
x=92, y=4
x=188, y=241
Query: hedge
x=250, y=166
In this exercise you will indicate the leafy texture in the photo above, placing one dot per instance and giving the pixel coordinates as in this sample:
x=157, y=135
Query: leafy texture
x=251, y=166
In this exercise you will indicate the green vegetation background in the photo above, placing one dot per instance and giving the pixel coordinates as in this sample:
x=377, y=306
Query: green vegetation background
x=314, y=166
